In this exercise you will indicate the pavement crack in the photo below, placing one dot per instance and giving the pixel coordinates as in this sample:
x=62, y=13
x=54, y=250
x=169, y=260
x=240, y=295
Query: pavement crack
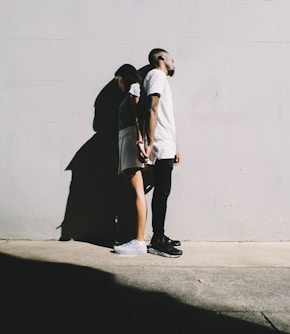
x=270, y=322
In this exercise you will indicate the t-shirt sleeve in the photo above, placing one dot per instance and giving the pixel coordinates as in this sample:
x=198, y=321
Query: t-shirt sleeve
x=155, y=83
x=135, y=89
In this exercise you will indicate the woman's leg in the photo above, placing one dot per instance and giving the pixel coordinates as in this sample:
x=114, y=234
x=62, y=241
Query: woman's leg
x=141, y=205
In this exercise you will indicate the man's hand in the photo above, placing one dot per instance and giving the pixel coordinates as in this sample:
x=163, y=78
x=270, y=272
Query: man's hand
x=148, y=150
x=177, y=158
x=143, y=157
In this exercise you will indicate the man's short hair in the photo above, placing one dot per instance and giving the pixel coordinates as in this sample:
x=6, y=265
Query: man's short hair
x=152, y=55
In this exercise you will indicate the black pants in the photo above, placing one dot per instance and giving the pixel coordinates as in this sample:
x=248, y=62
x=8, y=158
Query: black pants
x=162, y=185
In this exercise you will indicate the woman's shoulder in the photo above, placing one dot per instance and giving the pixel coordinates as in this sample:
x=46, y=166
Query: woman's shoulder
x=135, y=89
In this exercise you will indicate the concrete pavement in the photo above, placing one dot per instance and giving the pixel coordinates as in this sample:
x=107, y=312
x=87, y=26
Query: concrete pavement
x=215, y=287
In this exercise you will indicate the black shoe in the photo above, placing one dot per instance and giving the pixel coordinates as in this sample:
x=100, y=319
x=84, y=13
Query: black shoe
x=175, y=243
x=163, y=246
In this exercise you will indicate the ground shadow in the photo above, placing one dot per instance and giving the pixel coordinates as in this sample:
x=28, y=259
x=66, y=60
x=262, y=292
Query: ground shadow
x=43, y=297
x=97, y=194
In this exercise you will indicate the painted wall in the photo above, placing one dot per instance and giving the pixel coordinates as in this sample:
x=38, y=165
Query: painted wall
x=231, y=95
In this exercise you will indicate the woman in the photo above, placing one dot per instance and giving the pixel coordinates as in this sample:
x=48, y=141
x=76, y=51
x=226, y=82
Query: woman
x=132, y=153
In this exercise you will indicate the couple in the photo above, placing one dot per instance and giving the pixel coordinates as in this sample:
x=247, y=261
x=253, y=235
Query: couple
x=155, y=145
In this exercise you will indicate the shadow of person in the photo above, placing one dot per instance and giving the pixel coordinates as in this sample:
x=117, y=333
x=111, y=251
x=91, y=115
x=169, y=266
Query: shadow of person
x=144, y=70
x=97, y=195
x=92, y=201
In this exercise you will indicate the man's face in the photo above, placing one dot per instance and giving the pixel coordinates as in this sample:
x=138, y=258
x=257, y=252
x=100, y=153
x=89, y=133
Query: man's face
x=169, y=62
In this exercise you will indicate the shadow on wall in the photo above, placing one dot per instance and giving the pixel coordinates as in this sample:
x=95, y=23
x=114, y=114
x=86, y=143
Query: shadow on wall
x=45, y=297
x=91, y=204
x=97, y=195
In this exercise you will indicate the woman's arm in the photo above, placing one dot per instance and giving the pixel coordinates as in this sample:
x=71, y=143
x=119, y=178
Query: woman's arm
x=139, y=139
x=135, y=102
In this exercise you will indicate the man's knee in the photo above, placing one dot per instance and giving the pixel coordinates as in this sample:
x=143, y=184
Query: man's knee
x=162, y=191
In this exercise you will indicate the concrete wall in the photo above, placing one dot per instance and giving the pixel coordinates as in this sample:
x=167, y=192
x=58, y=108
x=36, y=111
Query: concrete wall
x=231, y=94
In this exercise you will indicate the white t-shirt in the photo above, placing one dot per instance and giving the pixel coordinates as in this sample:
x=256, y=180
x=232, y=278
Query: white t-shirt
x=164, y=146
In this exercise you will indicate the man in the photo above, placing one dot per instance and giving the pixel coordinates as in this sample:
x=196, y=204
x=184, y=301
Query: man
x=161, y=147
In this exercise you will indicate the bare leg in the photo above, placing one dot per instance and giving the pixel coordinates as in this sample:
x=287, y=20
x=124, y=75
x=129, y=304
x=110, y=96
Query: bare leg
x=141, y=205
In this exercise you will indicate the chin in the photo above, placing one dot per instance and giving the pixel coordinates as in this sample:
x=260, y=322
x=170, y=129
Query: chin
x=171, y=73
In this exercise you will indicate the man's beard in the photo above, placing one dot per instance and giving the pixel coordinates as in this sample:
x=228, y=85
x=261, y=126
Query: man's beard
x=171, y=73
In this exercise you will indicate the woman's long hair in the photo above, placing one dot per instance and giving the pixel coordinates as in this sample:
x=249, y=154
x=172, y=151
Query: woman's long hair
x=129, y=74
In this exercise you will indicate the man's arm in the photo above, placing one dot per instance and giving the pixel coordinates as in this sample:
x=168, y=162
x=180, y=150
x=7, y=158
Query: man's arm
x=153, y=102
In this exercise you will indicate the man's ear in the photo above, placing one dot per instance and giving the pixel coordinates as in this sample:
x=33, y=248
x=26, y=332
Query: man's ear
x=161, y=57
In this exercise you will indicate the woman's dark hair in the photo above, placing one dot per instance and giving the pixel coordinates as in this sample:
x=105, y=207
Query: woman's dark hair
x=129, y=74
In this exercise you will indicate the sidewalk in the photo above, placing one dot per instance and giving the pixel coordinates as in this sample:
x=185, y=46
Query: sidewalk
x=214, y=288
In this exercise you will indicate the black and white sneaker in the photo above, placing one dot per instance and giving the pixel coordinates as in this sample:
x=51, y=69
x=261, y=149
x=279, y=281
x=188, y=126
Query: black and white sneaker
x=163, y=246
x=175, y=243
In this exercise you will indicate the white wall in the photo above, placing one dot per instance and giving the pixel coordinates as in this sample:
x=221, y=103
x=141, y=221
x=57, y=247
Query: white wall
x=231, y=94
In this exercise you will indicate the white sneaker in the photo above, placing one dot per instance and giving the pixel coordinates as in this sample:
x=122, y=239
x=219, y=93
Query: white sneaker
x=133, y=247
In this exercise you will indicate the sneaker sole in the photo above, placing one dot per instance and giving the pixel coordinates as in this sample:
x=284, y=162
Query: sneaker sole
x=130, y=253
x=157, y=252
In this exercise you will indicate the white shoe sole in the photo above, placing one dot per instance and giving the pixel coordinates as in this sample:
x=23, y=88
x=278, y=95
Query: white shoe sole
x=157, y=252
x=130, y=252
